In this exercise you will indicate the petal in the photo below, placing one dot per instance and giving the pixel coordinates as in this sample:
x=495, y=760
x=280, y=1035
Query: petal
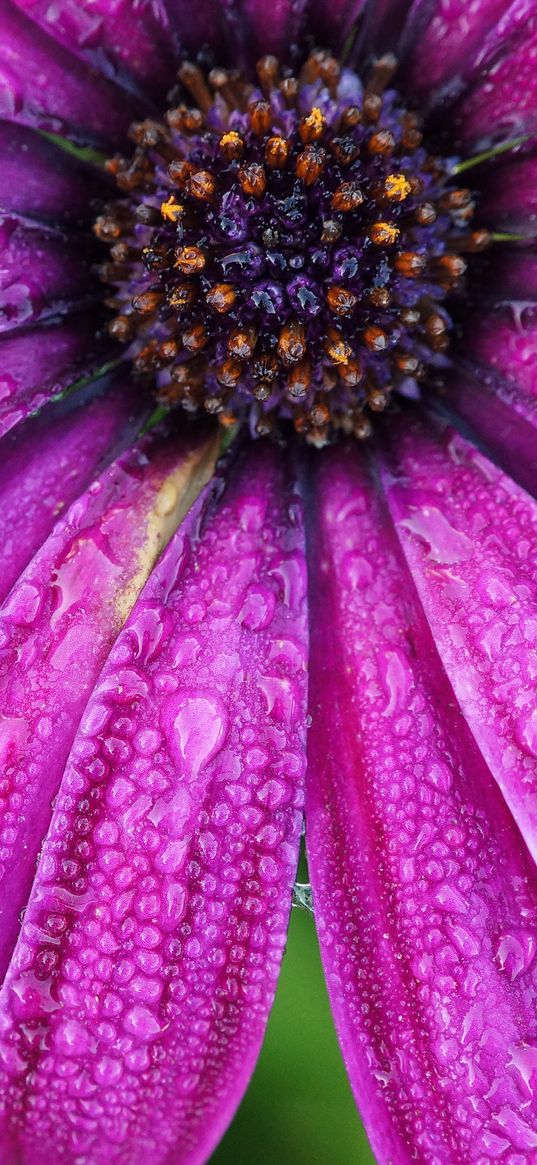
x=201, y=24
x=184, y=787
x=42, y=85
x=513, y=275
x=502, y=417
x=506, y=341
x=425, y=898
x=272, y=28
x=470, y=538
x=509, y=200
x=50, y=460
x=40, y=363
x=503, y=100
x=447, y=43
x=131, y=35
x=39, y=275
x=56, y=627
x=40, y=180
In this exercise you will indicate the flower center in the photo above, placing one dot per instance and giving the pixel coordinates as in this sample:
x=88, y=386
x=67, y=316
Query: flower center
x=285, y=250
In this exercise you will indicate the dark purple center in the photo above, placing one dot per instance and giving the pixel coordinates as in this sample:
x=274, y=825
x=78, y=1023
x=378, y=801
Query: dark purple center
x=285, y=250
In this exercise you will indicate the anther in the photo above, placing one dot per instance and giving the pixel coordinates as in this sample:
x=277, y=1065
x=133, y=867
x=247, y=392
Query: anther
x=260, y=117
x=253, y=180
x=341, y=301
x=299, y=380
x=383, y=234
x=380, y=297
x=147, y=302
x=309, y=164
x=336, y=347
x=331, y=231
x=221, y=297
x=277, y=152
x=241, y=343
x=312, y=127
x=425, y=214
x=194, y=338
x=202, y=185
x=410, y=264
x=375, y=339
x=292, y=343
x=193, y=80
x=268, y=71
x=396, y=187
x=190, y=260
x=232, y=145
x=381, y=143
x=347, y=197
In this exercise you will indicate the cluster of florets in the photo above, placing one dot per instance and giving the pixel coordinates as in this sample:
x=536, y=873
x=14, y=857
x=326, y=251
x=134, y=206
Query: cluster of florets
x=284, y=250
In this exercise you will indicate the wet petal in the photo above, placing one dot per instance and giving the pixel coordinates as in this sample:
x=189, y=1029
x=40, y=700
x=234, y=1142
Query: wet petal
x=49, y=460
x=509, y=199
x=40, y=180
x=199, y=24
x=272, y=28
x=425, y=897
x=447, y=43
x=503, y=100
x=39, y=275
x=469, y=535
x=131, y=35
x=56, y=628
x=40, y=363
x=182, y=797
x=43, y=85
x=502, y=417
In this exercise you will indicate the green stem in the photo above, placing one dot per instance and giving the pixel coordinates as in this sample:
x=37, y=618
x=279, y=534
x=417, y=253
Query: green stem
x=486, y=155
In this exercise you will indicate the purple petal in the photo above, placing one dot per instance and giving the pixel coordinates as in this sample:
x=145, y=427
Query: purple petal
x=40, y=180
x=506, y=341
x=184, y=790
x=196, y=25
x=56, y=628
x=447, y=42
x=42, y=85
x=502, y=417
x=40, y=363
x=513, y=276
x=47, y=463
x=504, y=96
x=39, y=275
x=131, y=35
x=510, y=197
x=425, y=897
x=272, y=27
x=469, y=535
x=332, y=22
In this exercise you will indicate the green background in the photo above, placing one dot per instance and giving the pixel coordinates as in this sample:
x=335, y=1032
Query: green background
x=298, y=1109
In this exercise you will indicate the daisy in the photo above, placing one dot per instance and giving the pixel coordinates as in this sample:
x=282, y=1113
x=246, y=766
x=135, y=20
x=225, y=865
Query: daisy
x=269, y=543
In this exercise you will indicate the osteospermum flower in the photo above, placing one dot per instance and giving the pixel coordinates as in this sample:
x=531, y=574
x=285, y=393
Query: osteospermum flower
x=306, y=229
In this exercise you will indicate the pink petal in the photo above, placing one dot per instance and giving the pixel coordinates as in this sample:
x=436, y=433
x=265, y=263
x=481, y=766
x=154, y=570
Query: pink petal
x=425, y=898
x=56, y=628
x=50, y=460
x=469, y=535
x=182, y=797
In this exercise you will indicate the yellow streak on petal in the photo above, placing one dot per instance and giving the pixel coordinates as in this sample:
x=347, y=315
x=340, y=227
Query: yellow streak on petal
x=172, y=502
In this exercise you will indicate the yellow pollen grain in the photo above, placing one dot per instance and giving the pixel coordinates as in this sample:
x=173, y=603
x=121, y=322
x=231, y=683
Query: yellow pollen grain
x=315, y=120
x=397, y=187
x=171, y=209
x=384, y=233
x=231, y=138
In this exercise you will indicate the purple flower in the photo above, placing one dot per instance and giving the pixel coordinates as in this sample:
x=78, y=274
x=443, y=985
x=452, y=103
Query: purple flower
x=343, y=616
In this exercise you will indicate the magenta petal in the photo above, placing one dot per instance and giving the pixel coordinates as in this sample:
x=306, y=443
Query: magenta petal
x=43, y=85
x=509, y=200
x=39, y=275
x=41, y=181
x=449, y=42
x=48, y=461
x=272, y=27
x=40, y=363
x=131, y=35
x=502, y=417
x=469, y=535
x=162, y=894
x=425, y=897
x=504, y=96
x=56, y=628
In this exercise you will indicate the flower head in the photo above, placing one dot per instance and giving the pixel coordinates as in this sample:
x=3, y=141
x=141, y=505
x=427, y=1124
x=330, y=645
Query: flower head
x=221, y=225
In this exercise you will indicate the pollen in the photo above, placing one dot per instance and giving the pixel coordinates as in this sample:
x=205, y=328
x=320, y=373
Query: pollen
x=397, y=187
x=171, y=210
x=282, y=255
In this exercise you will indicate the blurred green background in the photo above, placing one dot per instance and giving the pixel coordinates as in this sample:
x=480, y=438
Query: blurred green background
x=299, y=1108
